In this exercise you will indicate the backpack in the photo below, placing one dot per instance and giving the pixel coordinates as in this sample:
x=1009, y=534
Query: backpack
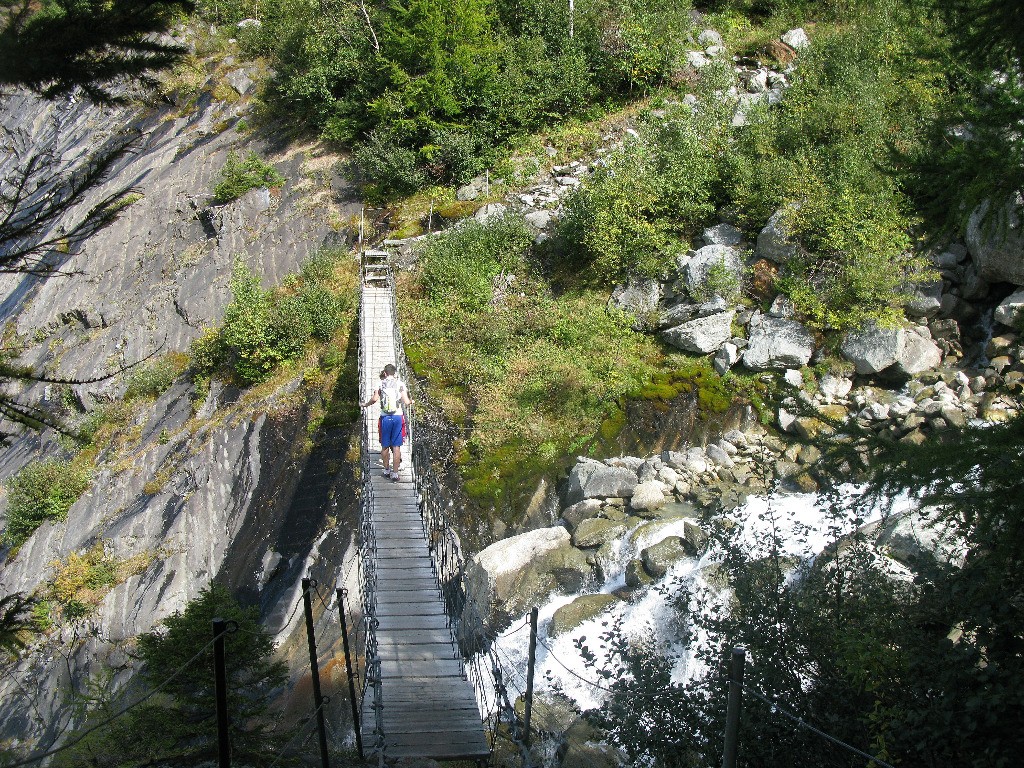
x=390, y=393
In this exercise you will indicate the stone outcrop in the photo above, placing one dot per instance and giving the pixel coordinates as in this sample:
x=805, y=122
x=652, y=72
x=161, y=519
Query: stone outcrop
x=702, y=335
x=996, y=242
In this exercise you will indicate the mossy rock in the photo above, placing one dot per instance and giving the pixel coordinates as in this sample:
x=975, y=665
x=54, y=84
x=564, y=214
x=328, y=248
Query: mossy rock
x=657, y=559
x=636, y=576
x=596, y=531
x=551, y=713
x=582, y=609
x=458, y=210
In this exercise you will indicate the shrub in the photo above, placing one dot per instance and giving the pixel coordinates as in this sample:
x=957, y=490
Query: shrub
x=239, y=176
x=820, y=155
x=461, y=266
x=390, y=168
x=41, y=491
x=153, y=379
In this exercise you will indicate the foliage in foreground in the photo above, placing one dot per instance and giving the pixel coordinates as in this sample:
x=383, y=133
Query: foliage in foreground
x=926, y=671
x=177, y=726
x=41, y=491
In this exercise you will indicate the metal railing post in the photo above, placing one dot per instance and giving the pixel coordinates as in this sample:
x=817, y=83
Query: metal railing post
x=732, y=715
x=529, y=676
x=314, y=668
x=348, y=669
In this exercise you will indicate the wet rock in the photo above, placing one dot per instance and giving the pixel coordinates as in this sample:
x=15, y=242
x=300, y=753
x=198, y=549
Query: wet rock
x=580, y=511
x=647, y=496
x=582, y=609
x=516, y=573
x=657, y=559
x=636, y=576
x=595, y=531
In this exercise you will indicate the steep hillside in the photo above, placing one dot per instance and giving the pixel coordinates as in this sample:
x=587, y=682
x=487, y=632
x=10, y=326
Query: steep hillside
x=189, y=481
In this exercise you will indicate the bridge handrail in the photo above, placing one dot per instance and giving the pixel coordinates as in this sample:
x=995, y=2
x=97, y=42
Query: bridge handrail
x=368, y=555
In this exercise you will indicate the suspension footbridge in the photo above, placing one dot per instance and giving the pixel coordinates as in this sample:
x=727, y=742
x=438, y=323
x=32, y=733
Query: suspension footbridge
x=421, y=700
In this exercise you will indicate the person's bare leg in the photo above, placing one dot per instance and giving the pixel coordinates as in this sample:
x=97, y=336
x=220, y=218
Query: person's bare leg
x=397, y=451
x=385, y=458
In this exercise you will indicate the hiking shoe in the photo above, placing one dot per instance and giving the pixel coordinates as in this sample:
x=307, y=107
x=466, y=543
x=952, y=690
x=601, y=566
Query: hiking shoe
x=387, y=472
x=394, y=476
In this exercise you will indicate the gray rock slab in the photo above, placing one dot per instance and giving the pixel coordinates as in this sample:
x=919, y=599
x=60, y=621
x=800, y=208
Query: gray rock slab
x=777, y=343
x=592, y=480
x=702, y=335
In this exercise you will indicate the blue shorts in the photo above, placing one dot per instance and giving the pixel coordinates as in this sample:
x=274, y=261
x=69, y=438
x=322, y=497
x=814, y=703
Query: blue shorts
x=391, y=430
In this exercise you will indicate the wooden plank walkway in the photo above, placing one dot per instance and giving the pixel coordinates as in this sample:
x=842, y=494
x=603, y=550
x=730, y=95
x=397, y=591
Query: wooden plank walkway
x=430, y=708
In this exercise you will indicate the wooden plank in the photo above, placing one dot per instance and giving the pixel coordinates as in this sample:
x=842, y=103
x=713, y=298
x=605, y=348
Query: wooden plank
x=413, y=637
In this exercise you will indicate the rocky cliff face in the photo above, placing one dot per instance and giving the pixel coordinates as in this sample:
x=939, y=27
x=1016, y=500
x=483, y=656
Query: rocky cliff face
x=231, y=488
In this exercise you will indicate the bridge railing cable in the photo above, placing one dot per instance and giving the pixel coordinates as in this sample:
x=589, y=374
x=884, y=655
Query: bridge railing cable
x=371, y=679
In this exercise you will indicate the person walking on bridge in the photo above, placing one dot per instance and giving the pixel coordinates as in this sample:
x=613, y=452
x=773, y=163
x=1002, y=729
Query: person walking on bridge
x=391, y=395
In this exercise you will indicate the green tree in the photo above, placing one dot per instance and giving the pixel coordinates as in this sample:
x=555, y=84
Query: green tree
x=177, y=726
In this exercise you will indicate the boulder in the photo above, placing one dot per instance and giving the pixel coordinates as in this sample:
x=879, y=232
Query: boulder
x=900, y=351
x=677, y=315
x=590, y=479
x=702, y=335
x=580, y=511
x=647, y=496
x=796, y=39
x=728, y=355
x=871, y=349
x=640, y=296
x=538, y=219
x=582, y=609
x=516, y=573
x=833, y=387
x=777, y=343
x=595, y=531
x=1010, y=311
x=722, y=234
x=239, y=80
x=912, y=538
x=916, y=354
x=925, y=299
x=490, y=211
x=709, y=258
x=636, y=576
x=782, y=307
x=719, y=456
x=996, y=242
x=773, y=243
x=696, y=59
x=709, y=37
x=657, y=559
